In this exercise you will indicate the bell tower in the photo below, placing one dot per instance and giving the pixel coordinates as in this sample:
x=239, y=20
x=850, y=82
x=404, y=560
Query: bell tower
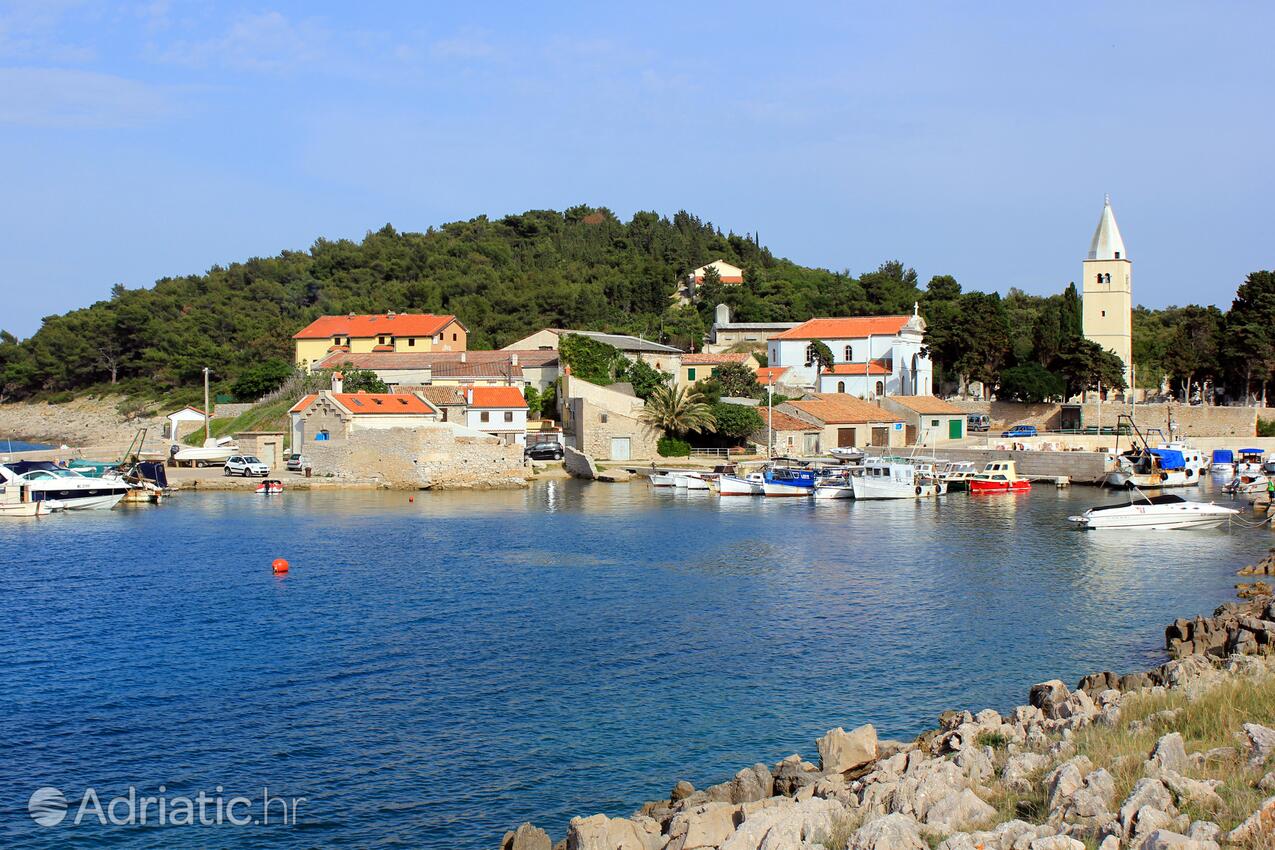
x=1107, y=306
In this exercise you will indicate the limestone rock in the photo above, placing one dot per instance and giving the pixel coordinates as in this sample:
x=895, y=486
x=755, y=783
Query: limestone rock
x=705, y=826
x=681, y=791
x=1110, y=843
x=1056, y=842
x=1047, y=696
x=1261, y=743
x=840, y=751
x=961, y=810
x=1203, y=830
x=892, y=832
x=1186, y=790
x=1020, y=769
x=1148, y=795
x=526, y=837
x=602, y=833
x=1169, y=754
x=786, y=826
x=751, y=783
x=1162, y=839
x=792, y=774
x=1257, y=825
x=1267, y=782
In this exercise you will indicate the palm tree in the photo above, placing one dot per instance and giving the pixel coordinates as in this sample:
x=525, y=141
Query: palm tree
x=678, y=410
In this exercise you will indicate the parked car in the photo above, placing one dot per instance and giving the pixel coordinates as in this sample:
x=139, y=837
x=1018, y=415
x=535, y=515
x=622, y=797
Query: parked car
x=1020, y=431
x=245, y=465
x=978, y=422
x=297, y=462
x=544, y=451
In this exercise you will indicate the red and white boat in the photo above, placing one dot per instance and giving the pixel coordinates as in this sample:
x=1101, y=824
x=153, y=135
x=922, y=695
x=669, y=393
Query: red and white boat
x=999, y=476
x=270, y=487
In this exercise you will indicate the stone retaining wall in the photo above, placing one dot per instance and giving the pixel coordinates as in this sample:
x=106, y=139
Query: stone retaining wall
x=1197, y=421
x=1080, y=467
x=419, y=458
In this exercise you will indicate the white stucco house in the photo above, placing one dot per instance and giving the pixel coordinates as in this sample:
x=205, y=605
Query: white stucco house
x=182, y=422
x=874, y=356
x=499, y=411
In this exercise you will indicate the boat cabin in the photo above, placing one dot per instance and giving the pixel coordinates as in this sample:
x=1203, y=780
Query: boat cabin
x=998, y=470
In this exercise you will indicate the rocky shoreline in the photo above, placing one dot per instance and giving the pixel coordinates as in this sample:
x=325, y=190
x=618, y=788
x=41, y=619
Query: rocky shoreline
x=1172, y=758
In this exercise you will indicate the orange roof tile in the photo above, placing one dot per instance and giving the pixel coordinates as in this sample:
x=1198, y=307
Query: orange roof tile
x=851, y=327
x=713, y=359
x=383, y=403
x=875, y=367
x=496, y=397
x=400, y=324
x=784, y=422
x=304, y=403
x=767, y=375
x=927, y=404
x=839, y=409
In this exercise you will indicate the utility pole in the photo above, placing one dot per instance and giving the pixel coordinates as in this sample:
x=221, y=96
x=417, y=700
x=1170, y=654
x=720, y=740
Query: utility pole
x=770, y=419
x=207, y=410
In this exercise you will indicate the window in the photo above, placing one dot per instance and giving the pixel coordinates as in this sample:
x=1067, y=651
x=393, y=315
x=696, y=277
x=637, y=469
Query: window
x=1104, y=314
x=380, y=340
x=880, y=388
x=411, y=342
x=509, y=416
x=690, y=374
x=849, y=353
x=934, y=423
x=1117, y=255
x=841, y=386
x=810, y=355
x=453, y=337
x=484, y=417
x=602, y=417
x=713, y=372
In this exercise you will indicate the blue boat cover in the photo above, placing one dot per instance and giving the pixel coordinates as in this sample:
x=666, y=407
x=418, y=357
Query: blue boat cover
x=1223, y=456
x=1252, y=451
x=1170, y=458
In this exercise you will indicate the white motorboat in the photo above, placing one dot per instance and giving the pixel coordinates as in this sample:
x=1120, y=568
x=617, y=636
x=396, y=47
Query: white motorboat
x=689, y=481
x=834, y=489
x=48, y=481
x=1155, y=513
x=214, y=452
x=752, y=484
x=848, y=453
x=661, y=479
x=893, y=478
x=1250, y=461
x=1247, y=484
x=956, y=474
x=1223, y=462
x=16, y=501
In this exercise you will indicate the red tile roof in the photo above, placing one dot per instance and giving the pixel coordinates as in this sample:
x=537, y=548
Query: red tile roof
x=875, y=367
x=304, y=403
x=784, y=422
x=713, y=359
x=495, y=397
x=453, y=369
x=390, y=360
x=382, y=348
x=767, y=375
x=383, y=403
x=441, y=394
x=927, y=404
x=853, y=327
x=839, y=409
x=400, y=324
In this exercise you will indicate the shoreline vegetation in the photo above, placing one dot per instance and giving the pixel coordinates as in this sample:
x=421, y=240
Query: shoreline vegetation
x=1179, y=757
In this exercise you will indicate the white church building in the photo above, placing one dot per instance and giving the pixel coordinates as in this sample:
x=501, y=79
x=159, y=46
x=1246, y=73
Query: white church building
x=874, y=356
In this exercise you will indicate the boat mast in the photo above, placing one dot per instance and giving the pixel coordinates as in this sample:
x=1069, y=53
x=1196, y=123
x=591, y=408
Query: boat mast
x=207, y=418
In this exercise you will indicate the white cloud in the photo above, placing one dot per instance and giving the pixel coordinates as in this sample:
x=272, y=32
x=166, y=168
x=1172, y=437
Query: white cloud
x=63, y=97
x=265, y=42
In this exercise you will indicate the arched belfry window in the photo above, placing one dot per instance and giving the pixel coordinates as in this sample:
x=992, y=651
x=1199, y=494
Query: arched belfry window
x=849, y=353
x=810, y=355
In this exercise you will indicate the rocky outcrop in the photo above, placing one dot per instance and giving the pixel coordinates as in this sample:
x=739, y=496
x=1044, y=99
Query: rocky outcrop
x=942, y=790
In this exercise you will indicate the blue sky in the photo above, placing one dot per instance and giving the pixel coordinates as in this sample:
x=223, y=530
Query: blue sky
x=153, y=139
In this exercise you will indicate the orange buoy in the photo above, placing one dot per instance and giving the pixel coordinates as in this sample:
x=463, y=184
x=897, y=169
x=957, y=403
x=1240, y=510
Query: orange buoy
x=411, y=498
x=279, y=565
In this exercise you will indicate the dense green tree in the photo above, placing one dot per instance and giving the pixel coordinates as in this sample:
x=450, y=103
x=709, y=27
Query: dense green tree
x=734, y=423
x=738, y=381
x=1030, y=382
x=360, y=380
x=644, y=378
x=591, y=360
x=1086, y=365
x=1250, y=337
x=986, y=338
x=532, y=396
x=256, y=381
x=821, y=354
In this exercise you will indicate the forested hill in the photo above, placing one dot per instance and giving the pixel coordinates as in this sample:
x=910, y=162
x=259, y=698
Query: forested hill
x=503, y=277
x=586, y=269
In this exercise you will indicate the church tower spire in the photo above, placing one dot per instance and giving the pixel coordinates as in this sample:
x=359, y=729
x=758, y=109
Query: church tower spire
x=1107, y=308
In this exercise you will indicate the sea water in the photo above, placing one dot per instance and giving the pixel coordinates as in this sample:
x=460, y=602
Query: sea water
x=432, y=672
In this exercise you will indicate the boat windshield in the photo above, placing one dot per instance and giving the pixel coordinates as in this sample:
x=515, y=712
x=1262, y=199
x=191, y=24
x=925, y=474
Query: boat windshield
x=1146, y=500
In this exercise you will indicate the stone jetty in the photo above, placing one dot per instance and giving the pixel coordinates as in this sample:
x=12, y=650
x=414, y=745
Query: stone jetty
x=1180, y=757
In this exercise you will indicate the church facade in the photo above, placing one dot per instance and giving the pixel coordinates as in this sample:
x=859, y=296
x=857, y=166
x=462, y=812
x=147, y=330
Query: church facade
x=1107, y=295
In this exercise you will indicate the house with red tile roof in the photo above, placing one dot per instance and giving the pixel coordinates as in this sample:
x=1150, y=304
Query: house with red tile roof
x=786, y=435
x=329, y=415
x=381, y=332
x=873, y=356
x=499, y=411
x=846, y=421
x=534, y=368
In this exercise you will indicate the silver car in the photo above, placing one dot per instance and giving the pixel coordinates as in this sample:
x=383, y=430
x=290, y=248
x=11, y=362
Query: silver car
x=297, y=462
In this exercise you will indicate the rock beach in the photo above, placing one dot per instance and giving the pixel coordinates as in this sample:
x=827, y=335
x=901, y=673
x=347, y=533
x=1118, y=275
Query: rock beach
x=987, y=781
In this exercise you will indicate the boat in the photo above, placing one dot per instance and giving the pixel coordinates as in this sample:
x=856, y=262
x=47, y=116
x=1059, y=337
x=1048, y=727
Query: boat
x=848, y=453
x=690, y=481
x=1247, y=484
x=1163, y=466
x=270, y=487
x=834, y=482
x=1223, y=461
x=1155, y=513
x=17, y=502
x=661, y=479
x=998, y=476
x=893, y=478
x=752, y=484
x=956, y=474
x=48, y=481
x=1250, y=461
x=214, y=452
x=788, y=481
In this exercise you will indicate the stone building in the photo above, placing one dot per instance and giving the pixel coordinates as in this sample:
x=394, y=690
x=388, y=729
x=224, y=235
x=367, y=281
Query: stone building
x=1107, y=306
x=725, y=335
x=699, y=367
x=847, y=422
x=438, y=455
x=329, y=416
x=792, y=437
x=604, y=423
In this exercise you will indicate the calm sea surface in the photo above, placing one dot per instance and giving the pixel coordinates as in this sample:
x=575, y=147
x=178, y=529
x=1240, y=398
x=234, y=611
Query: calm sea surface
x=434, y=672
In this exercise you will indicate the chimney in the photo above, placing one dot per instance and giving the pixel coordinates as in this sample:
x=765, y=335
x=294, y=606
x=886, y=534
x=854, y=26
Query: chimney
x=513, y=359
x=464, y=357
x=351, y=314
x=338, y=381
x=469, y=395
x=389, y=315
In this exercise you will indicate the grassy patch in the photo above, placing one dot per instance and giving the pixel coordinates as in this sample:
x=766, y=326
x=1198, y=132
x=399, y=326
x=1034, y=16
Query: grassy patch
x=270, y=416
x=995, y=740
x=838, y=838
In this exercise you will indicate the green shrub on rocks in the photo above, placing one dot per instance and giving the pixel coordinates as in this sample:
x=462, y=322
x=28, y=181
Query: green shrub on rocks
x=673, y=447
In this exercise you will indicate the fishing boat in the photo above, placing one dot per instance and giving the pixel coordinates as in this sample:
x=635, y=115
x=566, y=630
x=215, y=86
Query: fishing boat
x=690, y=481
x=787, y=481
x=893, y=478
x=661, y=479
x=1247, y=484
x=1250, y=461
x=956, y=474
x=752, y=484
x=1154, y=513
x=1223, y=462
x=48, y=481
x=848, y=454
x=998, y=476
x=17, y=502
x=270, y=487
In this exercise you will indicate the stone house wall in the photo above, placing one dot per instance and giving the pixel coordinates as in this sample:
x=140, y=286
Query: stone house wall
x=1192, y=421
x=437, y=457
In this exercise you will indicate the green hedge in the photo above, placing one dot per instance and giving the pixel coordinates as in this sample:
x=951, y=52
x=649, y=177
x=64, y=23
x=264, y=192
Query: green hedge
x=673, y=447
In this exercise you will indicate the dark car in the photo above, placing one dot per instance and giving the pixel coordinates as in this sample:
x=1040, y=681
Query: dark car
x=544, y=451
